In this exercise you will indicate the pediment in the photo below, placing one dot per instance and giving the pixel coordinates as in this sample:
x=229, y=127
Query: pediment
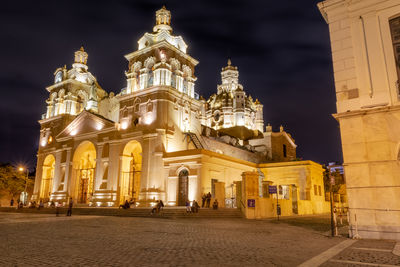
x=85, y=123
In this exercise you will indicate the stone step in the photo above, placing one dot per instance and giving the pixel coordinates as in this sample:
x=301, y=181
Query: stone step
x=168, y=212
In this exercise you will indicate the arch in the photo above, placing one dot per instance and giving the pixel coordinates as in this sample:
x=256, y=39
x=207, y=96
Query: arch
x=84, y=164
x=47, y=177
x=183, y=186
x=149, y=106
x=130, y=172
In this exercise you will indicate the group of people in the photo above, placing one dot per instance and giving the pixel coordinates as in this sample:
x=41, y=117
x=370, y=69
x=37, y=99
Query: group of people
x=192, y=209
x=128, y=204
x=33, y=204
x=158, y=207
x=20, y=204
x=206, y=200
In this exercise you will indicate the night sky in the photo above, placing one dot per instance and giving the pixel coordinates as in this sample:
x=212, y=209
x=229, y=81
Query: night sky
x=281, y=48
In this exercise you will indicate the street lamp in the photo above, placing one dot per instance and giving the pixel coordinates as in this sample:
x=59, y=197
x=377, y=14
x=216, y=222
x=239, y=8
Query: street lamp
x=331, y=195
x=232, y=185
x=21, y=169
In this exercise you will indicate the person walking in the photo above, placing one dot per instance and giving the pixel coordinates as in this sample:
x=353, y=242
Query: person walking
x=208, y=200
x=71, y=203
x=12, y=202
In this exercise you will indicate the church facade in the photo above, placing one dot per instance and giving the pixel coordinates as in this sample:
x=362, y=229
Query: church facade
x=157, y=138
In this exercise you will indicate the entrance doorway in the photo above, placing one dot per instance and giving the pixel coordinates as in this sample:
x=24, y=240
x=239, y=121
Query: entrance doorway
x=85, y=184
x=84, y=163
x=183, y=187
x=133, y=177
x=129, y=184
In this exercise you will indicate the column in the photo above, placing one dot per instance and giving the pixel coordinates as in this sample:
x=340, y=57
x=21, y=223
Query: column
x=99, y=167
x=113, y=169
x=67, y=169
x=152, y=178
x=199, y=177
x=38, y=178
x=57, y=171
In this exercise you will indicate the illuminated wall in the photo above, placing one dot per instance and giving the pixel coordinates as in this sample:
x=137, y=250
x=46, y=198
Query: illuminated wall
x=364, y=41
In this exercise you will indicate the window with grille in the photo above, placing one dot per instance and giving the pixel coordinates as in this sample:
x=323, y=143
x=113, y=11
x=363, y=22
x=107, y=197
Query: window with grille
x=395, y=31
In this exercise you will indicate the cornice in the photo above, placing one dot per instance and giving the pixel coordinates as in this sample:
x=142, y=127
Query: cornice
x=160, y=44
x=362, y=112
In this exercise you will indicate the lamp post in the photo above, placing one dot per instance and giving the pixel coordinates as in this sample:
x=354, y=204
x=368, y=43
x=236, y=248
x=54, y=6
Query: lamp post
x=21, y=169
x=331, y=195
x=232, y=185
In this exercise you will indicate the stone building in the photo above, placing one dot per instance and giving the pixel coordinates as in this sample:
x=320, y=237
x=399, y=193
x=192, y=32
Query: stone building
x=156, y=138
x=365, y=42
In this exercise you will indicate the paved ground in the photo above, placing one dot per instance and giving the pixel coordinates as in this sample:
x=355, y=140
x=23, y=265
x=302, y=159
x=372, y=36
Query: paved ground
x=46, y=240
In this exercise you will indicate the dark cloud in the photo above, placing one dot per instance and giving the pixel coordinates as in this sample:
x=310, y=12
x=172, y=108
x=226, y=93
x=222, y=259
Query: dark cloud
x=281, y=48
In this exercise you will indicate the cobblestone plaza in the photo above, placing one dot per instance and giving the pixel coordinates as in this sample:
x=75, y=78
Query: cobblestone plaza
x=46, y=240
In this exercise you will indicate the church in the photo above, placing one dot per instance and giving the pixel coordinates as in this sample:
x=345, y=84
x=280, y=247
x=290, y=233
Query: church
x=159, y=139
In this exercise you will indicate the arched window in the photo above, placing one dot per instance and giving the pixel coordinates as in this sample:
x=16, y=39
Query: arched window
x=149, y=107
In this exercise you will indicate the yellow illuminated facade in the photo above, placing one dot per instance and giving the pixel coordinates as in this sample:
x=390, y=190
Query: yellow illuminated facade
x=157, y=138
x=365, y=42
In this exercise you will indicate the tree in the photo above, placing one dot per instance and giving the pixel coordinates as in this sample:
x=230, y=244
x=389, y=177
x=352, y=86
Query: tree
x=13, y=181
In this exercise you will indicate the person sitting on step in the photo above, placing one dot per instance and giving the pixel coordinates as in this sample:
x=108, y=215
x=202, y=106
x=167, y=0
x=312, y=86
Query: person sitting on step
x=215, y=204
x=125, y=205
x=188, y=208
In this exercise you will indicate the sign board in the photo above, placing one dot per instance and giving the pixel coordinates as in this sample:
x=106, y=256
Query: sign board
x=272, y=189
x=251, y=203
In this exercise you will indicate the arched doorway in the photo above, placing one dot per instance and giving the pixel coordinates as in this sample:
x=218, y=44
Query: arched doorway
x=84, y=163
x=47, y=177
x=183, y=187
x=131, y=169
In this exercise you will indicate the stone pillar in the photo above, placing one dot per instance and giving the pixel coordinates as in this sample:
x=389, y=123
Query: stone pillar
x=62, y=195
x=57, y=171
x=152, y=182
x=68, y=165
x=199, y=190
x=168, y=192
x=114, y=166
x=99, y=168
x=38, y=177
